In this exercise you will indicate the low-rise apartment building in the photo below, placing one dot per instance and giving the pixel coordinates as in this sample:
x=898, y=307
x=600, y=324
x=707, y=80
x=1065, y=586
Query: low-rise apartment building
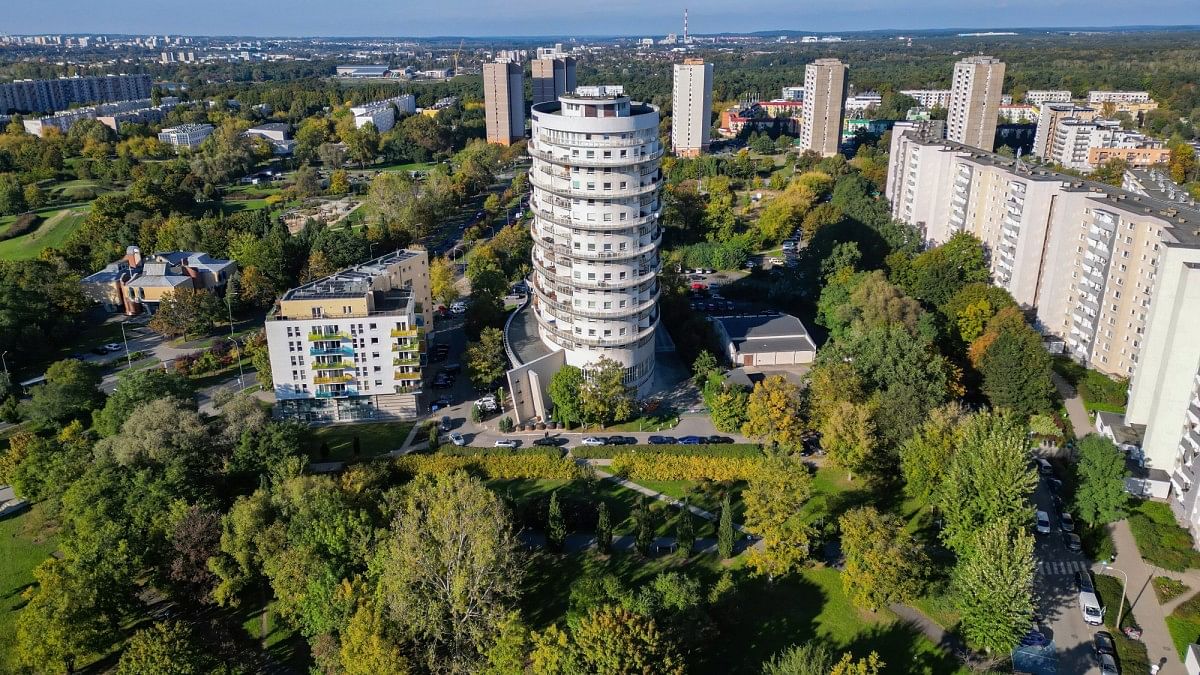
x=1040, y=97
x=351, y=346
x=112, y=115
x=929, y=98
x=186, y=136
x=382, y=114
x=1097, y=97
x=134, y=284
x=1084, y=144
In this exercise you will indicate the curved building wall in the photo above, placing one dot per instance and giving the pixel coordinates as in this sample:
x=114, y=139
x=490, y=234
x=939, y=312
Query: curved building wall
x=596, y=186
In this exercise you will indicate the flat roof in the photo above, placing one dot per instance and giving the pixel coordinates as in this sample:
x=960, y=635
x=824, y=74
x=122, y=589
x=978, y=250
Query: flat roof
x=352, y=282
x=762, y=333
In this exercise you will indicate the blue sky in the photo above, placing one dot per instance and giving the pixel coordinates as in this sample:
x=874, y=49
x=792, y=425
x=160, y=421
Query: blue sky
x=564, y=17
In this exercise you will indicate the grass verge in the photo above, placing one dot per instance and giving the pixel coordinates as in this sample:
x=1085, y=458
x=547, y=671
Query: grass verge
x=1161, y=541
x=375, y=438
x=24, y=544
x=1131, y=654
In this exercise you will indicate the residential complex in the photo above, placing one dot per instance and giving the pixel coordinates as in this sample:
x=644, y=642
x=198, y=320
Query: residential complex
x=975, y=97
x=824, y=106
x=1084, y=144
x=553, y=76
x=186, y=136
x=382, y=114
x=595, y=199
x=691, y=107
x=1019, y=113
x=59, y=94
x=133, y=285
x=860, y=103
x=351, y=346
x=792, y=94
x=1042, y=96
x=112, y=115
x=1097, y=97
x=1049, y=117
x=1111, y=271
x=504, y=102
x=929, y=98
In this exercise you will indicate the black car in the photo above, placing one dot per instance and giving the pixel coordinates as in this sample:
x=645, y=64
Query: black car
x=453, y=368
x=1083, y=582
x=663, y=440
x=1072, y=542
x=718, y=440
x=552, y=441
x=443, y=384
x=100, y=351
x=1104, y=643
x=622, y=440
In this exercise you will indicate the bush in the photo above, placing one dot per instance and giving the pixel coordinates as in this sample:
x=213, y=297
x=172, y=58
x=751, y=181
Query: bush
x=1160, y=539
x=702, y=450
x=637, y=466
x=456, y=451
x=492, y=467
x=1184, y=624
x=1097, y=541
x=24, y=224
x=1168, y=589
x=1100, y=391
x=1130, y=653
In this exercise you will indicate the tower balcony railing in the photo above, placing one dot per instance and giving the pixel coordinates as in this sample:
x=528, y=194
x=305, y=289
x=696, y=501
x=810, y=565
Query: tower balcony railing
x=596, y=143
x=582, y=193
x=543, y=213
x=570, y=340
x=597, y=313
x=563, y=159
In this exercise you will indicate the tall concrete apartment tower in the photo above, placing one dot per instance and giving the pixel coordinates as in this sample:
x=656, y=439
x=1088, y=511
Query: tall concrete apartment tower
x=504, y=102
x=691, y=107
x=975, y=101
x=595, y=201
x=824, y=106
x=553, y=76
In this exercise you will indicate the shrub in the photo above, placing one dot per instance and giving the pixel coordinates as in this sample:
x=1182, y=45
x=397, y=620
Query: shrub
x=1168, y=589
x=24, y=224
x=456, y=451
x=1161, y=541
x=1101, y=391
x=638, y=466
x=492, y=467
x=719, y=450
x=1184, y=624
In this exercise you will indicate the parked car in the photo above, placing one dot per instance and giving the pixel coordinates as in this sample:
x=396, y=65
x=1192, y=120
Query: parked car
x=446, y=423
x=691, y=440
x=622, y=440
x=1083, y=582
x=663, y=440
x=1043, y=523
x=698, y=287
x=452, y=368
x=458, y=308
x=718, y=440
x=1066, y=522
x=100, y=351
x=553, y=441
x=595, y=441
x=1108, y=664
x=1072, y=542
x=113, y=347
x=457, y=439
x=507, y=443
x=1104, y=643
x=1089, y=607
x=1034, y=638
x=1044, y=467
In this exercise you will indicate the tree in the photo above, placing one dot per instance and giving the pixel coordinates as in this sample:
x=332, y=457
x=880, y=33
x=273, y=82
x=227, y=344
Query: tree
x=1100, y=496
x=773, y=412
x=565, y=387
x=1183, y=163
x=704, y=364
x=728, y=408
x=1015, y=366
x=804, y=659
x=643, y=532
x=725, y=530
x=184, y=311
x=449, y=570
x=992, y=587
x=62, y=619
x=848, y=435
x=194, y=539
x=612, y=640
x=339, y=182
x=604, y=530
x=366, y=649
x=135, y=387
x=884, y=564
x=925, y=458
x=685, y=531
x=556, y=526
x=604, y=397
x=989, y=480
x=774, y=499
x=71, y=390
x=871, y=664
x=942, y=271
x=486, y=359
x=442, y=281
x=165, y=648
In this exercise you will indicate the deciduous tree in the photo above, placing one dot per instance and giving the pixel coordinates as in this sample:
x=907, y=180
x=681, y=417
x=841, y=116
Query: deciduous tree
x=993, y=586
x=774, y=501
x=925, y=458
x=604, y=397
x=1100, y=496
x=62, y=620
x=165, y=648
x=442, y=281
x=565, y=392
x=486, y=359
x=884, y=564
x=773, y=412
x=848, y=435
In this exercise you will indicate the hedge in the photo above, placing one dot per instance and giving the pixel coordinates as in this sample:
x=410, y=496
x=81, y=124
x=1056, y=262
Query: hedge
x=492, y=467
x=703, y=450
x=466, y=451
x=24, y=224
x=678, y=467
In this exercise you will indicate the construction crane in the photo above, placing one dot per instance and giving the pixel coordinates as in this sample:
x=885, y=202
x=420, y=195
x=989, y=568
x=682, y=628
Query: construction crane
x=457, y=54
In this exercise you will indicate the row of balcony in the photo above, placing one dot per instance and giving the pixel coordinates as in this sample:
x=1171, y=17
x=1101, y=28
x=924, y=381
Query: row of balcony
x=582, y=254
x=408, y=332
x=331, y=351
x=333, y=365
x=550, y=298
x=571, y=340
x=595, y=143
x=567, y=190
x=338, y=393
x=328, y=337
x=643, y=275
x=578, y=160
x=542, y=213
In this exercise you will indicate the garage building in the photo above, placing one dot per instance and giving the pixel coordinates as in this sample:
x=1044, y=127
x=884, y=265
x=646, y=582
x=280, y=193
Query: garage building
x=765, y=340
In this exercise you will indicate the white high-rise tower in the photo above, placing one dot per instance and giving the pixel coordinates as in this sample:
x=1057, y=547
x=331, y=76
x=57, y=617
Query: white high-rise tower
x=596, y=183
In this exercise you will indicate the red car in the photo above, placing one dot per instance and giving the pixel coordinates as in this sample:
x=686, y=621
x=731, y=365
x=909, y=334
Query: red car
x=699, y=287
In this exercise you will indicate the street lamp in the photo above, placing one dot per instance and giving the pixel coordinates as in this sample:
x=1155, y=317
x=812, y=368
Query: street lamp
x=128, y=358
x=1124, y=586
x=237, y=351
x=4, y=361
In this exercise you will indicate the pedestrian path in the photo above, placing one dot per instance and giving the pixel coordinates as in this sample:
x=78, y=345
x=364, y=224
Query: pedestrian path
x=1151, y=616
x=1060, y=567
x=604, y=475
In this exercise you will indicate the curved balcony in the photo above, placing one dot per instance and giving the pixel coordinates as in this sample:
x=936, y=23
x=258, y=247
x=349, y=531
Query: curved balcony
x=567, y=191
x=540, y=211
x=578, y=160
x=551, y=271
x=615, y=313
x=594, y=143
x=580, y=254
x=572, y=340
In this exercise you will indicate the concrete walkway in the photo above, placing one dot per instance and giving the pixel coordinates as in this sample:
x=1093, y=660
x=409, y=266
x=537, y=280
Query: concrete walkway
x=604, y=475
x=947, y=642
x=1080, y=422
x=1151, y=616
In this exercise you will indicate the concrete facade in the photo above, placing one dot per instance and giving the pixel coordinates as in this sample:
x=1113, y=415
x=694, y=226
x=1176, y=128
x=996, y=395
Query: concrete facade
x=825, y=83
x=552, y=77
x=1051, y=114
x=691, y=107
x=1041, y=97
x=975, y=97
x=59, y=94
x=504, y=102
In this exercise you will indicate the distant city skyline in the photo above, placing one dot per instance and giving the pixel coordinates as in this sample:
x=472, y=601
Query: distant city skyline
x=531, y=18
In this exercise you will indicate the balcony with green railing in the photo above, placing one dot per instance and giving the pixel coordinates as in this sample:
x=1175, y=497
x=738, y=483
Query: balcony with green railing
x=408, y=377
x=407, y=346
x=333, y=379
x=334, y=365
x=408, y=389
x=406, y=362
x=342, y=392
x=408, y=332
x=331, y=337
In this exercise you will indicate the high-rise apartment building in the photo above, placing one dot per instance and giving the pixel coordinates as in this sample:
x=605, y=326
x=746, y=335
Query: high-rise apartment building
x=553, y=76
x=825, y=83
x=1049, y=117
x=1113, y=272
x=595, y=200
x=504, y=102
x=691, y=107
x=975, y=94
x=351, y=346
x=52, y=95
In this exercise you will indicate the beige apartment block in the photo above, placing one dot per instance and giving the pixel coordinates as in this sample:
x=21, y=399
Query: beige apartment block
x=975, y=94
x=552, y=78
x=824, y=106
x=504, y=102
x=1051, y=114
x=691, y=107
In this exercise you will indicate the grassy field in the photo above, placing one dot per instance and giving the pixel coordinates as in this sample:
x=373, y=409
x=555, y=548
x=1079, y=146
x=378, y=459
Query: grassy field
x=23, y=546
x=374, y=439
x=530, y=497
x=57, y=225
x=1184, y=624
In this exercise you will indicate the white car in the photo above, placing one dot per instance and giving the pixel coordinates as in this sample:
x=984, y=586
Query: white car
x=594, y=441
x=458, y=308
x=114, y=347
x=487, y=403
x=457, y=439
x=506, y=443
x=1043, y=522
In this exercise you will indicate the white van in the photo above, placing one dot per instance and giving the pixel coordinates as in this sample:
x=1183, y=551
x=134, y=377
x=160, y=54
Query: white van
x=1089, y=606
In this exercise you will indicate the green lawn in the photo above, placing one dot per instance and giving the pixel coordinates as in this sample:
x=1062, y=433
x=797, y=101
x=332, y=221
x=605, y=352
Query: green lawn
x=1160, y=539
x=375, y=438
x=1131, y=653
x=1184, y=624
x=58, y=223
x=529, y=499
x=23, y=546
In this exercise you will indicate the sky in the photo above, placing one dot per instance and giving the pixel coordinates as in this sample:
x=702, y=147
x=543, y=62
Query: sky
x=644, y=18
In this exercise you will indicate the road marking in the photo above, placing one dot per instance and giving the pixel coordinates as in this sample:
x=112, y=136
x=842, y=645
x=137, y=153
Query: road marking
x=1060, y=567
